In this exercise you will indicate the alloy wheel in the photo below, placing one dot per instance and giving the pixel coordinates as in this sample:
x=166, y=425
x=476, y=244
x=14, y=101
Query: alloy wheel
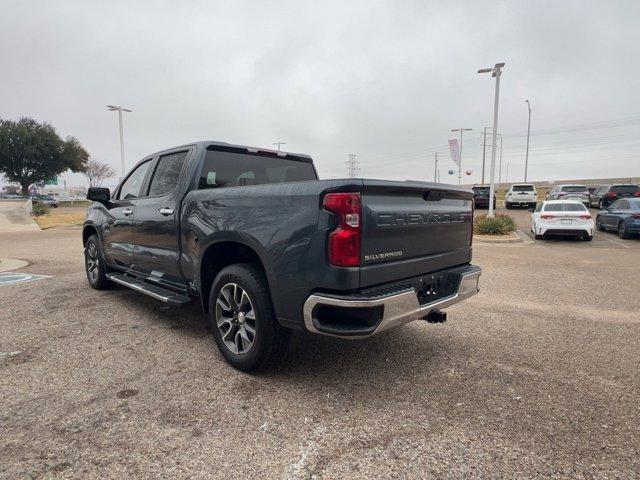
x=235, y=318
x=93, y=262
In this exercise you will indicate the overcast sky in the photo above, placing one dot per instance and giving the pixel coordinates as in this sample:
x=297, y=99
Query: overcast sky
x=386, y=80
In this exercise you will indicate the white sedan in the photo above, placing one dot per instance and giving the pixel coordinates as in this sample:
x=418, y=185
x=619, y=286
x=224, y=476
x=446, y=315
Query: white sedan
x=562, y=217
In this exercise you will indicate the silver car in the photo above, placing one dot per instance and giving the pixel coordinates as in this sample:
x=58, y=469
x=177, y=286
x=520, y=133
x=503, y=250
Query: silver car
x=570, y=192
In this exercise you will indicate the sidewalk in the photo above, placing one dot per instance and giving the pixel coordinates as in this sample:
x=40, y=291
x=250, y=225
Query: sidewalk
x=14, y=217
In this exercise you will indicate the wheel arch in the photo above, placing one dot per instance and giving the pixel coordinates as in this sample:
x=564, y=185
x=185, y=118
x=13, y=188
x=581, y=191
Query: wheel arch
x=222, y=253
x=88, y=230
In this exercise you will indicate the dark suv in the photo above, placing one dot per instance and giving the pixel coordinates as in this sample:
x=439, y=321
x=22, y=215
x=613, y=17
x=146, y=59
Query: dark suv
x=605, y=195
x=481, y=197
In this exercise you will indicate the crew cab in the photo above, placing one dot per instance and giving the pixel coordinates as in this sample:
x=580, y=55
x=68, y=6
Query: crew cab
x=266, y=247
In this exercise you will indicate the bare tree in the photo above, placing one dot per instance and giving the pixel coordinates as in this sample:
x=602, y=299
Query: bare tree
x=97, y=172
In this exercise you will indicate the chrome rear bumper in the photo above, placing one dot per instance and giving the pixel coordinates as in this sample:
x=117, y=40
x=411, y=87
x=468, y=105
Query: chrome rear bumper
x=398, y=308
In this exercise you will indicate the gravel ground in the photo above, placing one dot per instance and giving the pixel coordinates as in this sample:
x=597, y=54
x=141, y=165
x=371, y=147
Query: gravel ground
x=537, y=376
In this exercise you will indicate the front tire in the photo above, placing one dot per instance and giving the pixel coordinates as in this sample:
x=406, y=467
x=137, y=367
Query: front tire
x=599, y=225
x=94, y=265
x=242, y=318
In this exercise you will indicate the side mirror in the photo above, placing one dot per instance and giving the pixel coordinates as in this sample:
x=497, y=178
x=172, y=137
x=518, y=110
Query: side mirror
x=99, y=194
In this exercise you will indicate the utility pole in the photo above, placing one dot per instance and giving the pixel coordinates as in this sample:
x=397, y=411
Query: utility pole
x=526, y=159
x=352, y=165
x=435, y=170
x=484, y=144
x=496, y=72
x=461, y=130
x=120, y=109
x=278, y=144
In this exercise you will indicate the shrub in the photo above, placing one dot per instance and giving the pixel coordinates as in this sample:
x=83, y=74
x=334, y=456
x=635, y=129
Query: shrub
x=498, y=225
x=39, y=209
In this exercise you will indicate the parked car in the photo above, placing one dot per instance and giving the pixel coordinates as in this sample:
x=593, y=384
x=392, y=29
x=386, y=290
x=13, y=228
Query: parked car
x=622, y=216
x=481, y=197
x=562, y=217
x=605, y=195
x=570, y=192
x=521, y=194
x=45, y=200
x=265, y=246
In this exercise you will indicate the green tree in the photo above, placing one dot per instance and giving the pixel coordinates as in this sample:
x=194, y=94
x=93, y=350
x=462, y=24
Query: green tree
x=31, y=151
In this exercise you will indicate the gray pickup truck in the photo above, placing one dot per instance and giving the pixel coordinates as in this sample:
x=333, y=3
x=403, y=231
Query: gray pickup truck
x=266, y=247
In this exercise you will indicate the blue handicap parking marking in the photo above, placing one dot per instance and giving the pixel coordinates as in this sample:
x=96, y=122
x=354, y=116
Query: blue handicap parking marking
x=11, y=278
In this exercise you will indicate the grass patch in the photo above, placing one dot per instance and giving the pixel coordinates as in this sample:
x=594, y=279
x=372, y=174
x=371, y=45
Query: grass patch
x=39, y=209
x=57, y=218
x=498, y=225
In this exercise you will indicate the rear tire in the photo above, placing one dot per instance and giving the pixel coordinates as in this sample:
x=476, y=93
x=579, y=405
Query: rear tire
x=587, y=238
x=232, y=322
x=539, y=237
x=507, y=206
x=622, y=231
x=94, y=265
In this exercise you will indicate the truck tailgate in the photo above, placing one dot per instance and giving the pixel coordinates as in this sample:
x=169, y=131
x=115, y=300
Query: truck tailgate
x=413, y=228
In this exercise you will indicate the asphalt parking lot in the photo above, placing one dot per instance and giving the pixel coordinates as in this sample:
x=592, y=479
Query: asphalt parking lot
x=537, y=376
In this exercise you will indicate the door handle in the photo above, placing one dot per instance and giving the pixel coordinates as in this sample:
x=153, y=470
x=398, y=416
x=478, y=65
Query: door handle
x=127, y=212
x=166, y=211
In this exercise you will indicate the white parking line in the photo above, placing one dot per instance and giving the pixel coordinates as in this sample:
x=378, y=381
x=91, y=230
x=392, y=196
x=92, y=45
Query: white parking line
x=612, y=241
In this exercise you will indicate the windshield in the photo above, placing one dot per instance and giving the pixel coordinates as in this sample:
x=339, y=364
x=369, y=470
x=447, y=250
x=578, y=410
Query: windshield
x=481, y=190
x=522, y=188
x=565, y=207
x=575, y=188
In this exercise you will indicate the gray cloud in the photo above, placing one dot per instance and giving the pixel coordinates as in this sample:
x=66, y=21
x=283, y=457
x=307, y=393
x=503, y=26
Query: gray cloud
x=383, y=79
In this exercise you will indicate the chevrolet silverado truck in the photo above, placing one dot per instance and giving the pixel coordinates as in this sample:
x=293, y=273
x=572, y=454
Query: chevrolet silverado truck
x=265, y=247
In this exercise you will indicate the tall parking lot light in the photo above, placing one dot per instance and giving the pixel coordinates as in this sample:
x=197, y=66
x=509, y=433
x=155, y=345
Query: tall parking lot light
x=526, y=158
x=120, y=109
x=496, y=71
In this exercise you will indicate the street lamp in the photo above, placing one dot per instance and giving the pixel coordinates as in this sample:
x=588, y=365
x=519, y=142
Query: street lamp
x=461, y=130
x=495, y=72
x=526, y=159
x=279, y=144
x=120, y=109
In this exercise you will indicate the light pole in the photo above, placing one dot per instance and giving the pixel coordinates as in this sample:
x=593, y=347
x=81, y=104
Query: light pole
x=500, y=163
x=278, y=144
x=495, y=72
x=526, y=159
x=120, y=109
x=461, y=130
x=435, y=170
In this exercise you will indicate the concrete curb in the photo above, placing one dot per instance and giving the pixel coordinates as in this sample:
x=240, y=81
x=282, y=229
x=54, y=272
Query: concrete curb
x=9, y=264
x=512, y=237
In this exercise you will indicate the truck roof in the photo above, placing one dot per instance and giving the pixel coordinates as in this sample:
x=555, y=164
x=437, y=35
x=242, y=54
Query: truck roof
x=213, y=144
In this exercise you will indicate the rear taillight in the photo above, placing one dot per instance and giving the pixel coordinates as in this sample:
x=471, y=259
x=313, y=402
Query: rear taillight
x=546, y=217
x=612, y=194
x=636, y=215
x=586, y=216
x=344, y=241
x=561, y=194
x=636, y=194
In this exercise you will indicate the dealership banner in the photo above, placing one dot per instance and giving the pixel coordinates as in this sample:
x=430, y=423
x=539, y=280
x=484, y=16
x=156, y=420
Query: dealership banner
x=455, y=151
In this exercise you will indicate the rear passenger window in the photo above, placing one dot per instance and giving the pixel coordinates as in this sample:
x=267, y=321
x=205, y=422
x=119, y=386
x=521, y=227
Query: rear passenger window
x=167, y=173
